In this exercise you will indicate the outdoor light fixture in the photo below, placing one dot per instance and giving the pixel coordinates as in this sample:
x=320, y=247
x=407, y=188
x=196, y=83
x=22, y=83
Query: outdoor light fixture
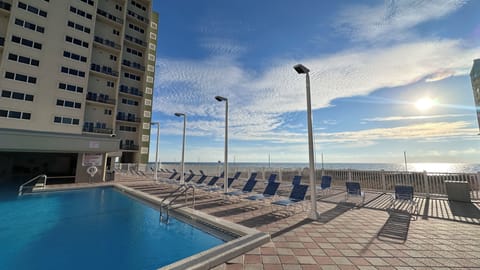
x=182, y=176
x=301, y=69
x=225, y=158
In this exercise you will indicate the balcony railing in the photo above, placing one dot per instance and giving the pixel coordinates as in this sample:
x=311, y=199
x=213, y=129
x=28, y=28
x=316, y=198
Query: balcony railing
x=133, y=65
x=129, y=118
x=5, y=5
x=137, y=16
x=98, y=130
x=102, y=98
x=104, y=70
x=132, y=90
x=129, y=147
x=109, y=16
x=136, y=40
x=106, y=42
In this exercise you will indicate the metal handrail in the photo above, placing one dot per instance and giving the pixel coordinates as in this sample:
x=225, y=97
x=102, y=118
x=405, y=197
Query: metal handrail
x=167, y=207
x=22, y=187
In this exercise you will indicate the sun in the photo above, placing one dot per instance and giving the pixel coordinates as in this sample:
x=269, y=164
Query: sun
x=424, y=104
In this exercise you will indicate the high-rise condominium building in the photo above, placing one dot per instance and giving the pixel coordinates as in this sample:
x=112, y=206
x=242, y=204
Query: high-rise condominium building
x=76, y=83
x=475, y=77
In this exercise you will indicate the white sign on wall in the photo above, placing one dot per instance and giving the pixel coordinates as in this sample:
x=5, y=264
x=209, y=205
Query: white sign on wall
x=92, y=159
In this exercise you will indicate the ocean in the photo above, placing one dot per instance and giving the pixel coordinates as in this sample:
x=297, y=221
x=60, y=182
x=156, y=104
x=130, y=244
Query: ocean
x=411, y=167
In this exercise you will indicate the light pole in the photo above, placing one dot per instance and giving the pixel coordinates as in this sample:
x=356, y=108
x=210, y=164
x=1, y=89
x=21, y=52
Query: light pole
x=301, y=69
x=182, y=176
x=156, y=148
x=225, y=158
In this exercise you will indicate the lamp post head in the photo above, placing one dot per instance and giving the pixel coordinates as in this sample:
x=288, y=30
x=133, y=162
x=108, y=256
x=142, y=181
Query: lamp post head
x=220, y=99
x=179, y=114
x=301, y=69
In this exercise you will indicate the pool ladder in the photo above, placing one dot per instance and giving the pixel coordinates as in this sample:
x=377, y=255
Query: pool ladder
x=33, y=183
x=181, y=190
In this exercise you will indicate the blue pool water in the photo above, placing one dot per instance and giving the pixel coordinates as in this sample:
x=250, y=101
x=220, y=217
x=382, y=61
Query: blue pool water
x=91, y=229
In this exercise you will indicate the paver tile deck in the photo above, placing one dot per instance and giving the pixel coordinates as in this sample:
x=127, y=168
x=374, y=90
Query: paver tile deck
x=350, y=237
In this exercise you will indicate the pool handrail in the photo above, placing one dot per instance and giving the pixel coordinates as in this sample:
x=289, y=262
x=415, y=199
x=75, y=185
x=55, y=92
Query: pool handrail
x=35, y=179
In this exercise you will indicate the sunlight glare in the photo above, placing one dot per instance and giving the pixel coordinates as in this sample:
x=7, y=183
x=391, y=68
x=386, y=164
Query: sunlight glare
x=424, y=104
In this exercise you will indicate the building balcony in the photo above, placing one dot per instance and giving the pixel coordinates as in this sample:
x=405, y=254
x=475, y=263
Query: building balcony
x=133, y=65
x=98, y=130
x=129, y=118
x=109, y=16
x=136, y=41
x=131, y=91
x=104, y=70
x=133, y=147
x=107, y=43
x=4, y=6
x=137, y=17
x=102, y=98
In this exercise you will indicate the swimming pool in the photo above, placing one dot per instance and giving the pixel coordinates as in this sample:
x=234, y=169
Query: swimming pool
x=95, y=228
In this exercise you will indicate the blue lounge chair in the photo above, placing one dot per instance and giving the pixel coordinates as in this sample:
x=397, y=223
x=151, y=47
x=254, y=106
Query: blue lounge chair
x=200, y=180
x=236, y=176
x=272, y=178
x=229, y=183
x=249, y=185
x=297, y=179
x=269, y=192
x=404, y=194
x=353, y=189
x=325, y=184
x=210, y=183
x=296, y=196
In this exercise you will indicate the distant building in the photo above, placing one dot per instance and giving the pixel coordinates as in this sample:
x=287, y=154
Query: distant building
x=76, y=83
x=475, y=77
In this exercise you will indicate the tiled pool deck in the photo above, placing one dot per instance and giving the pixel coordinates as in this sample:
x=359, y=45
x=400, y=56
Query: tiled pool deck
x=443, y=236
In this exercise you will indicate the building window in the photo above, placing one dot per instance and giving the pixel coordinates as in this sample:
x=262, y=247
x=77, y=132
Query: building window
x=17, y=95
x=78, y=27
x=70, y=87
x=129, y=102
x=136, y=28
x=113, y=57
x=153, y=25
x=148, y=102
x=150, y=68
x=29, y=25
x=151, y=57
x=23, y=59
x=153, y=36
x=74, y=56
x=134, y=52
x=69, y=104
x=116, y=32
x=20, y=77
x=118, y=7
x=145, y=138
x=15, y=114
x=139, y=6
x=147, y=114
x=108, y=112
x=132, y=76
x=72, y=71
x=146, y=125
x=148, y=90
x=127, y=128
x=80, y=12
x=66, y=120
x=90, y=2
x=26, y=42
x=149, y=79
x=32, y=9
x=110, y=84
x=76, y=41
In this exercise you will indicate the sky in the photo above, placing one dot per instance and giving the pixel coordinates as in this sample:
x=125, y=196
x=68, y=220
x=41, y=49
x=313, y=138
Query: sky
x=387, y=78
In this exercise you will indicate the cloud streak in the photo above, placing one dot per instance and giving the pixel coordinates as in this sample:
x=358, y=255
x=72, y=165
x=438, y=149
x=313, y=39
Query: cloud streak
x=393, y=20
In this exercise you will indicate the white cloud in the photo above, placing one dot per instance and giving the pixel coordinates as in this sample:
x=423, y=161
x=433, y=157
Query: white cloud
x=391, y=20
x=420, y=117
x=259, y=101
